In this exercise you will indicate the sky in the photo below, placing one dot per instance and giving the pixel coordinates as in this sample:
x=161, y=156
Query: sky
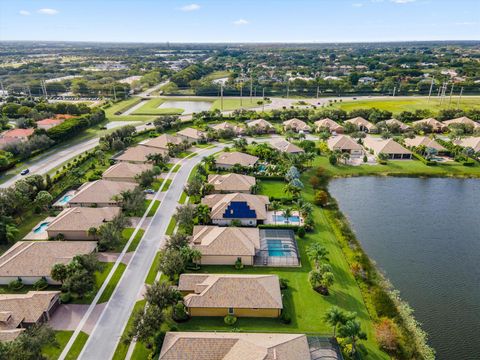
x=239, y=20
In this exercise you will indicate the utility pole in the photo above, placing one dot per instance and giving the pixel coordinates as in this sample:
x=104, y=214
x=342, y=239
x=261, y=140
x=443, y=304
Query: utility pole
x=460, y=97
x=318, y=89
x=241, y=93
x=451, y=93
x=263, y=93
x=431, y=88
x=114, y=93
x=221, y=96
x=288, y=89
x=251, y=89
x=394, y=89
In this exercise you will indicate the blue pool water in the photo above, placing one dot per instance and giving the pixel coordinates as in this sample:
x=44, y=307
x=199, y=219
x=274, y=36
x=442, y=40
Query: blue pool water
x=277, y=248
x=291, y=219
x=64, y=200
x=41, y=228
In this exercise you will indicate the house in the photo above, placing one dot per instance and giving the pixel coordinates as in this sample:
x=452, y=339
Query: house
x=296, y=125
x=436, y=125
x=192, y=135
x=328, y=124
x=162, y=141
x=344, y=143
x=367, y=80
x=246, y=208
x=238, y=295
x=286, y=146
x=74, y=223
x=363, y=125
x=225, y=126
x=33, y=260
x=125, y=171
x=46, y=124
x=394, y=122
x=234, y=345
x=471, y=142
x=100, y=193
x=19, y=134
x=224, y=245
x=227, y=160
x=389, y=147
x=230, y=183
x=463, y=120
x=20, y=311
x=138, y=154
x=425, y=141
x=261, y=125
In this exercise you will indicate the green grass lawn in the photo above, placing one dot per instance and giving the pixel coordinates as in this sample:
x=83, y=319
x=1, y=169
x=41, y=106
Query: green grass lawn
x=176, y=168
x=167, y=183
x=154, y=208
x=184, y=154
x=400, y=168
x=62, y=337
x=77, y=346
x=140, y=351
x=122, y=348
x=217, y=75
x=403, y=104
x=112, y=284
x=171, y=227
x=127, y=233
x=151, y=107
x=113, y=112
x=235, y=103
x=272, y=188
x=152, y=273
x=183, y=198
x=100, y=277
x=156, y=184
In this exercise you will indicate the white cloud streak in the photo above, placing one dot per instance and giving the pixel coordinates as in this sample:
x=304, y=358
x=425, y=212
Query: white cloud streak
x=47, y=11
x=190, y=7
x=24, y=12
x=240, y=22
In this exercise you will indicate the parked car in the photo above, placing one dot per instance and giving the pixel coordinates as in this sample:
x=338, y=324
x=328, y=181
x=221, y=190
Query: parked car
x=149, y=191
x=24, y=172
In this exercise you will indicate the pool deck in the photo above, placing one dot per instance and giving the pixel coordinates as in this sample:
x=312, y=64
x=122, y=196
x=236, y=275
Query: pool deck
x=59, y=204
x=40, y=236
x=270, y=220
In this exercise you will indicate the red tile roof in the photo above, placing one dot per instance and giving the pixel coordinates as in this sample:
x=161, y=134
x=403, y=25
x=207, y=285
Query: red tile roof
x=18, y=133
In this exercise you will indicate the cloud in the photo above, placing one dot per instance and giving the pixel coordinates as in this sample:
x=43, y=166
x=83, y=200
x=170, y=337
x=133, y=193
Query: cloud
x=402, y=1
x=241, y=22
x=24, y=12
x=466, y=23
x=190, y=7
x=46, y=11
x=357, y=5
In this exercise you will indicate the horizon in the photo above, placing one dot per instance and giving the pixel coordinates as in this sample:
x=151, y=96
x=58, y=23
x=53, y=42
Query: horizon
x=214, y=21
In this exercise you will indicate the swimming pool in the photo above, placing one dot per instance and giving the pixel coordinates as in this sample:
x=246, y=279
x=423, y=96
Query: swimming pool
x=278, y=248
x=65, y=199
x=41, y=228
x=282, y=219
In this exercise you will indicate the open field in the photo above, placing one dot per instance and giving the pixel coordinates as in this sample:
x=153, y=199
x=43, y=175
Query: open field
x=151, y=108
x=217, y=75
x=404, y=104
x=235, y=103
x=113, y=113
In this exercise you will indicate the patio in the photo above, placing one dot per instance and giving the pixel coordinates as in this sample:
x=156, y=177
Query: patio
x=39, y=231
x=278, y=247
x=278, y=218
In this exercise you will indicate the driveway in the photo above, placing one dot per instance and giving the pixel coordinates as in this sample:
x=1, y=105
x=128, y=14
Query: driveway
x=68, y=316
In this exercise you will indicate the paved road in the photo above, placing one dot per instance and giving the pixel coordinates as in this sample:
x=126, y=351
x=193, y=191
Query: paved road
x=105, y=336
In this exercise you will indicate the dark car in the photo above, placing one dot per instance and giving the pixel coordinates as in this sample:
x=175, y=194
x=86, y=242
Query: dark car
x=24, y=172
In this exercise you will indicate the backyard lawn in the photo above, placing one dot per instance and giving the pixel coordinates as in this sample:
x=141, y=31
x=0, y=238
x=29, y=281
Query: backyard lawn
x=272, y=188
x=409, y=104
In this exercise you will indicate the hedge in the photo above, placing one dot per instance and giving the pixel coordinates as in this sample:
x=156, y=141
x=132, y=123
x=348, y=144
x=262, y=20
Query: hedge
x=284, y=226
x=423, y=160
x=72, y=126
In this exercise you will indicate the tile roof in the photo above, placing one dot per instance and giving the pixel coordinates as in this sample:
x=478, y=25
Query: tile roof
x=235, y=157
x=18, y=308
x=462, y=120
x=360, y=121
x=219, y=203
x=402, y=125
x=82, y=218
x=386, y=146
x=285, y=146
x=434, y=123
x=229, y=241
x=50, y=122
x=36, y=258
x=297, y=124
x=343, y=143
x=139, y=153
x=125, y=170
x=18, y=133
x=192, y=133
x=234, y=346
x=231, y=291
x=329, y=124
x=425, y=141
x=231, y=182
x=162, y=141
x=261, y=123
x=472, y=142
x=227, y=126
x=100, y=191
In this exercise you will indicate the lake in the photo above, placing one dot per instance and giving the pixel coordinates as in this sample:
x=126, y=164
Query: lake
x=188, y=107
x=425, y=235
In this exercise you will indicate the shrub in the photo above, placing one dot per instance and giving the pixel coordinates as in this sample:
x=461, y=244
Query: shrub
x=179, y=312
x=332, y=159
x=65, y=297
x=283, y=284
x=384, y=304
x=238, y=264
x=301, y=232
x=321, y=198
x=40, y=284
x=15, y=284
x=386, y=333
x=230, y=320
x=285, y=318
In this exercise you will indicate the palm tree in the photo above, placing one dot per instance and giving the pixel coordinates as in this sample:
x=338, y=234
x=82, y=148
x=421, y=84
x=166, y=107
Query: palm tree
x=287, y=213
x=352, y=329
x=203, y=214
x=317, y=253
x=314, y=277
x=345, y=156
x=334, y=317
x=93, y=231
x=275, y=206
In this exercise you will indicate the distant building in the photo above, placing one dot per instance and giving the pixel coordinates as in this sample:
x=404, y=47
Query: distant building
x=367, y=80
x=296, y=125
x=138, y=154
x=436, y=125
x=125, y=171
x=286, y=146
x=192, y=135
x=330, y=125
x=363, y=125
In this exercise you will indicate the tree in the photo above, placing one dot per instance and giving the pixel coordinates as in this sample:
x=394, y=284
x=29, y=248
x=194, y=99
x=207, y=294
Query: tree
x=59, y=272
x=194, y=187
x=146, y=322
x=287, y=214
x=352, y=330
x=184, y=217
x=171, y=262
x=8, y=229
x=162, y=295
x=43, y=199
x=109, y=236
x=133, y=201
x=29, y=344
x=332, y=159
x=317, y=253
x=146, y=178
x=321, y=198
x=203, y=214
x=93, y=231
x=345, y=156
x=177, y=241
x=275, y=206
x=335, y=317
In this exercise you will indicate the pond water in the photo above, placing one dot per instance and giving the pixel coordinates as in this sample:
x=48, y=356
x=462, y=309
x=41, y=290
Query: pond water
x=188, y=107
x=425, y=235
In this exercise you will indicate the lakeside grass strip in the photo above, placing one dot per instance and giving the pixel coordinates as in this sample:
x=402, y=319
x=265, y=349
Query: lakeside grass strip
x=122, y=348
x=112, y=284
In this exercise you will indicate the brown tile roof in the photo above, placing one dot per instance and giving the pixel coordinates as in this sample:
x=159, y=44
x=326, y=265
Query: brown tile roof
x=229, y=241
x=360, y=121
x=82, y=218
x=227, y=126
x=162, y=141
x=235, y=157
x=50, y=122
x=297, y=124
x=219, y=203
x=125, y=170
x=18, y=133
x=36, y=258
x=231, y=182
x=462, y=120
x=231, y=291
x=139, y=153
x=329, y=124
x=286, y=146
x=18, y=308
x=425, y=141
x=261, y=123
x=402, y=125
x=100, y=191
x=343, y=143
x=434, y=123
x=234, y=346
x=192, y=133
x=386, y=146
x=472, y=142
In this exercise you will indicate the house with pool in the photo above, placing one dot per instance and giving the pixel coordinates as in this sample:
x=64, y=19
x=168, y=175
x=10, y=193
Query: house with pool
x=285, y=146
x=231, y=294
x=138, y=154
x=246, y=209
x=100, y=193
x=389, y=147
